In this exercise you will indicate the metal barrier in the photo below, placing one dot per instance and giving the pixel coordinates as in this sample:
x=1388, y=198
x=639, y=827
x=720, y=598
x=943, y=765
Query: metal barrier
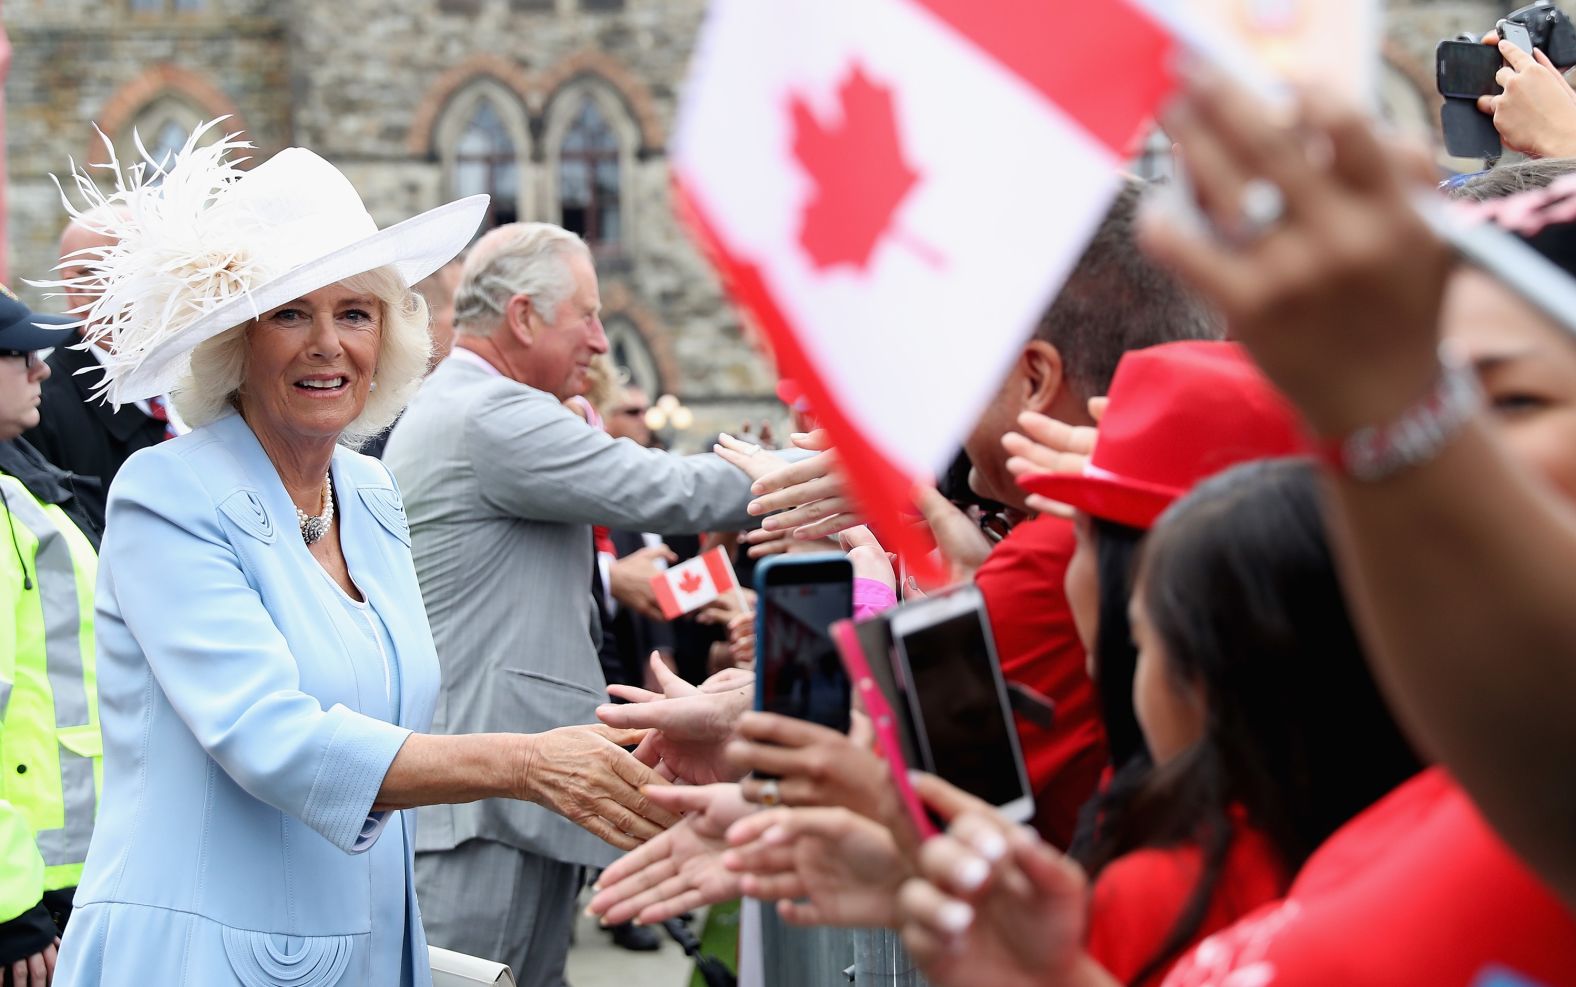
x=795, y=957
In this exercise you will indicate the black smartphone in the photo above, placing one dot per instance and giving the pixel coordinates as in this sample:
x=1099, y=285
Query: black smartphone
x=798, y=671
x=1468, y=131
x=1466, y=69
x=958, y=698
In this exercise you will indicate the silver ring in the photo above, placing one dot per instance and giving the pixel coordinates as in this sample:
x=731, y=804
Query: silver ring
x=1260, y=207
x=769, y=793
x=753, y=449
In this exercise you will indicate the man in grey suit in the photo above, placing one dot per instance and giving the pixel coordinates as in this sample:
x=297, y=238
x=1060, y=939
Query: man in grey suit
x=501, y=485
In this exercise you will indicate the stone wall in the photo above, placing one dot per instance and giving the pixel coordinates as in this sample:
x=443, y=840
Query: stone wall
x=368, y=84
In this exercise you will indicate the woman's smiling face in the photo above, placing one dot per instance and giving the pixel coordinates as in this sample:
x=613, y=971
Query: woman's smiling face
x=310, y=363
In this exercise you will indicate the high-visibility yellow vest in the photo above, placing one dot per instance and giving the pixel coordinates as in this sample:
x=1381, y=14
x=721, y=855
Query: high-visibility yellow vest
x=21, y=868
x=50, y=748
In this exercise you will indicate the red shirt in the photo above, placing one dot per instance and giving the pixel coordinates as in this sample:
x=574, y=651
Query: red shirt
x=1039, y=647
x=1415, y=890
x=1139, y=897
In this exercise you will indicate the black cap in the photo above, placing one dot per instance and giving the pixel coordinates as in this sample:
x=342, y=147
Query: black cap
x=21, y=328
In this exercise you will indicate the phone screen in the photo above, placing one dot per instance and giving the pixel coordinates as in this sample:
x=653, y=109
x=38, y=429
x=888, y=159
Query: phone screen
x=800, y=672
x=1466, y=69
x=963, y=724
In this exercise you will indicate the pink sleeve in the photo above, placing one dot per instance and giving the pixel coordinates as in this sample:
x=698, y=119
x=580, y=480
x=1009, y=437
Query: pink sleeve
x=871, y=596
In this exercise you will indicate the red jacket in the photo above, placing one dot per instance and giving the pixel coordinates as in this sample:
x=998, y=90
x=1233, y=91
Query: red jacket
x=1415, y=890
x=1139, y=897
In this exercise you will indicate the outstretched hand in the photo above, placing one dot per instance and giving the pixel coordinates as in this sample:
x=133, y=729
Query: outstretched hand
x=808, y=498
x=584, y=774
x=682, y=868
x=823, y=866
x=1046, y=445
x=689, y=725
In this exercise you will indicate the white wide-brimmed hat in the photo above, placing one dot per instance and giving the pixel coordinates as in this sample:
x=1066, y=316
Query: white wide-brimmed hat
x=211, y=246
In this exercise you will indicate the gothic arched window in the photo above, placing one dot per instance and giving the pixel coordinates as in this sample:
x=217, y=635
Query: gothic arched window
x=486, y=161
x=589, y=177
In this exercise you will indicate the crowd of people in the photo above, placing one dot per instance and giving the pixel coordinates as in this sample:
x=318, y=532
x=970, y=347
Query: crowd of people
x=1274, y=511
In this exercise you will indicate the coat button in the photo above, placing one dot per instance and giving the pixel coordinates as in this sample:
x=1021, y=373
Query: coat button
x=21, y=769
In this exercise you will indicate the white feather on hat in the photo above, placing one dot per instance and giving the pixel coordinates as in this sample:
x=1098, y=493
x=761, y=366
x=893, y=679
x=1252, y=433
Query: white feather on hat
x=212, y=246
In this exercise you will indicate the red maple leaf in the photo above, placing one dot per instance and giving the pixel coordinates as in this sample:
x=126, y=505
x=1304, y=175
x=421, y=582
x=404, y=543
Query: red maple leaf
x=858, y=169
x=689, y=582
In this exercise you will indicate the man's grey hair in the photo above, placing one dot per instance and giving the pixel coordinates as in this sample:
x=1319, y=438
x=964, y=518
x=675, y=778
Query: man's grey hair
x=528, y=259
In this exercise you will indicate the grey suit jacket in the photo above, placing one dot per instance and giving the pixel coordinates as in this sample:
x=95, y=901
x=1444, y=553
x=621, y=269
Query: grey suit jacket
x=501, y=485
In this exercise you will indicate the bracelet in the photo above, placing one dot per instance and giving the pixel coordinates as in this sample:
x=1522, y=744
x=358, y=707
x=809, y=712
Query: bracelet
x=1377, y=452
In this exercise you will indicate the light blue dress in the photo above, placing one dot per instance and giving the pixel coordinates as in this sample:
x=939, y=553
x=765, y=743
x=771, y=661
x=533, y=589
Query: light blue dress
x=250, y=711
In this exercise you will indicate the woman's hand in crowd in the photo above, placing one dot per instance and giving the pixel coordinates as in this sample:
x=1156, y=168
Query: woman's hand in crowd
x=584, y=774
x=1318, y=259
x=809, y=494
x=753, y=459
x=869, y=559
x=846, y=868
x=815, y=766
x=1049, y=446
x=993, y=904
x=962, y=544
x=689, y=725
x=680, y=869
x=1536, y=114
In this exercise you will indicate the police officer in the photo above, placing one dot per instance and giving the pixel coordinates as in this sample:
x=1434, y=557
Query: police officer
x=49, y=725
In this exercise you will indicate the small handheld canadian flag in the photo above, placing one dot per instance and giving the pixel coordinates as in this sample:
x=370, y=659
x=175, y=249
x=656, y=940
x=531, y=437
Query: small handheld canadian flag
x=694, y=583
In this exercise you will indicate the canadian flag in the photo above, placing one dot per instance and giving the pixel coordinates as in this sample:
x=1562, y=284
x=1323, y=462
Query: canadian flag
x=896, y=188
x=694, y=583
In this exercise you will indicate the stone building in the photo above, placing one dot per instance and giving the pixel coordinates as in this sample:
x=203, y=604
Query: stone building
x=560, y=109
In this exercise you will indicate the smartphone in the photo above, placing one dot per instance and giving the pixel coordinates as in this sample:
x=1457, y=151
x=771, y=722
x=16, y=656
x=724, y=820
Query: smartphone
x=1516, y=34
x=1468, y=131
x=797, y=669
x=1466, y=69
x=963, y=724
x=866, y=650
x=873, y=637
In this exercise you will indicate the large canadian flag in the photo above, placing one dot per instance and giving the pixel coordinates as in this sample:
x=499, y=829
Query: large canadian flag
x=896, y=188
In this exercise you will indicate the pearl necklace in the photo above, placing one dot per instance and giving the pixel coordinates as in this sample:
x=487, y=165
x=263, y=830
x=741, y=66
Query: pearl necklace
x=314, y=527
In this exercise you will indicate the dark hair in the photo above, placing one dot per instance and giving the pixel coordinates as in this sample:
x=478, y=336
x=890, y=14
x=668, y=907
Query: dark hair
x=1115, y=657
x=1509, y=179
x=1240, y=587
x=1116, y=300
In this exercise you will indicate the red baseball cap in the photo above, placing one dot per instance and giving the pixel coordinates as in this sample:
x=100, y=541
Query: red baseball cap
x=1178, y=414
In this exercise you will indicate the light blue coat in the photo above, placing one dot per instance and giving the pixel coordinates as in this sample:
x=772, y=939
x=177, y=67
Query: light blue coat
x=246, y=733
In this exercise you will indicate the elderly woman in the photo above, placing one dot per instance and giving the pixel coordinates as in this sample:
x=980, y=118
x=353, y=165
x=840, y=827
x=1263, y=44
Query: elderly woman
x=265, y=666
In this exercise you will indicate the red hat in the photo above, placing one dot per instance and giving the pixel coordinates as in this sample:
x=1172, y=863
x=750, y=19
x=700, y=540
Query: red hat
x=1179, y=413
